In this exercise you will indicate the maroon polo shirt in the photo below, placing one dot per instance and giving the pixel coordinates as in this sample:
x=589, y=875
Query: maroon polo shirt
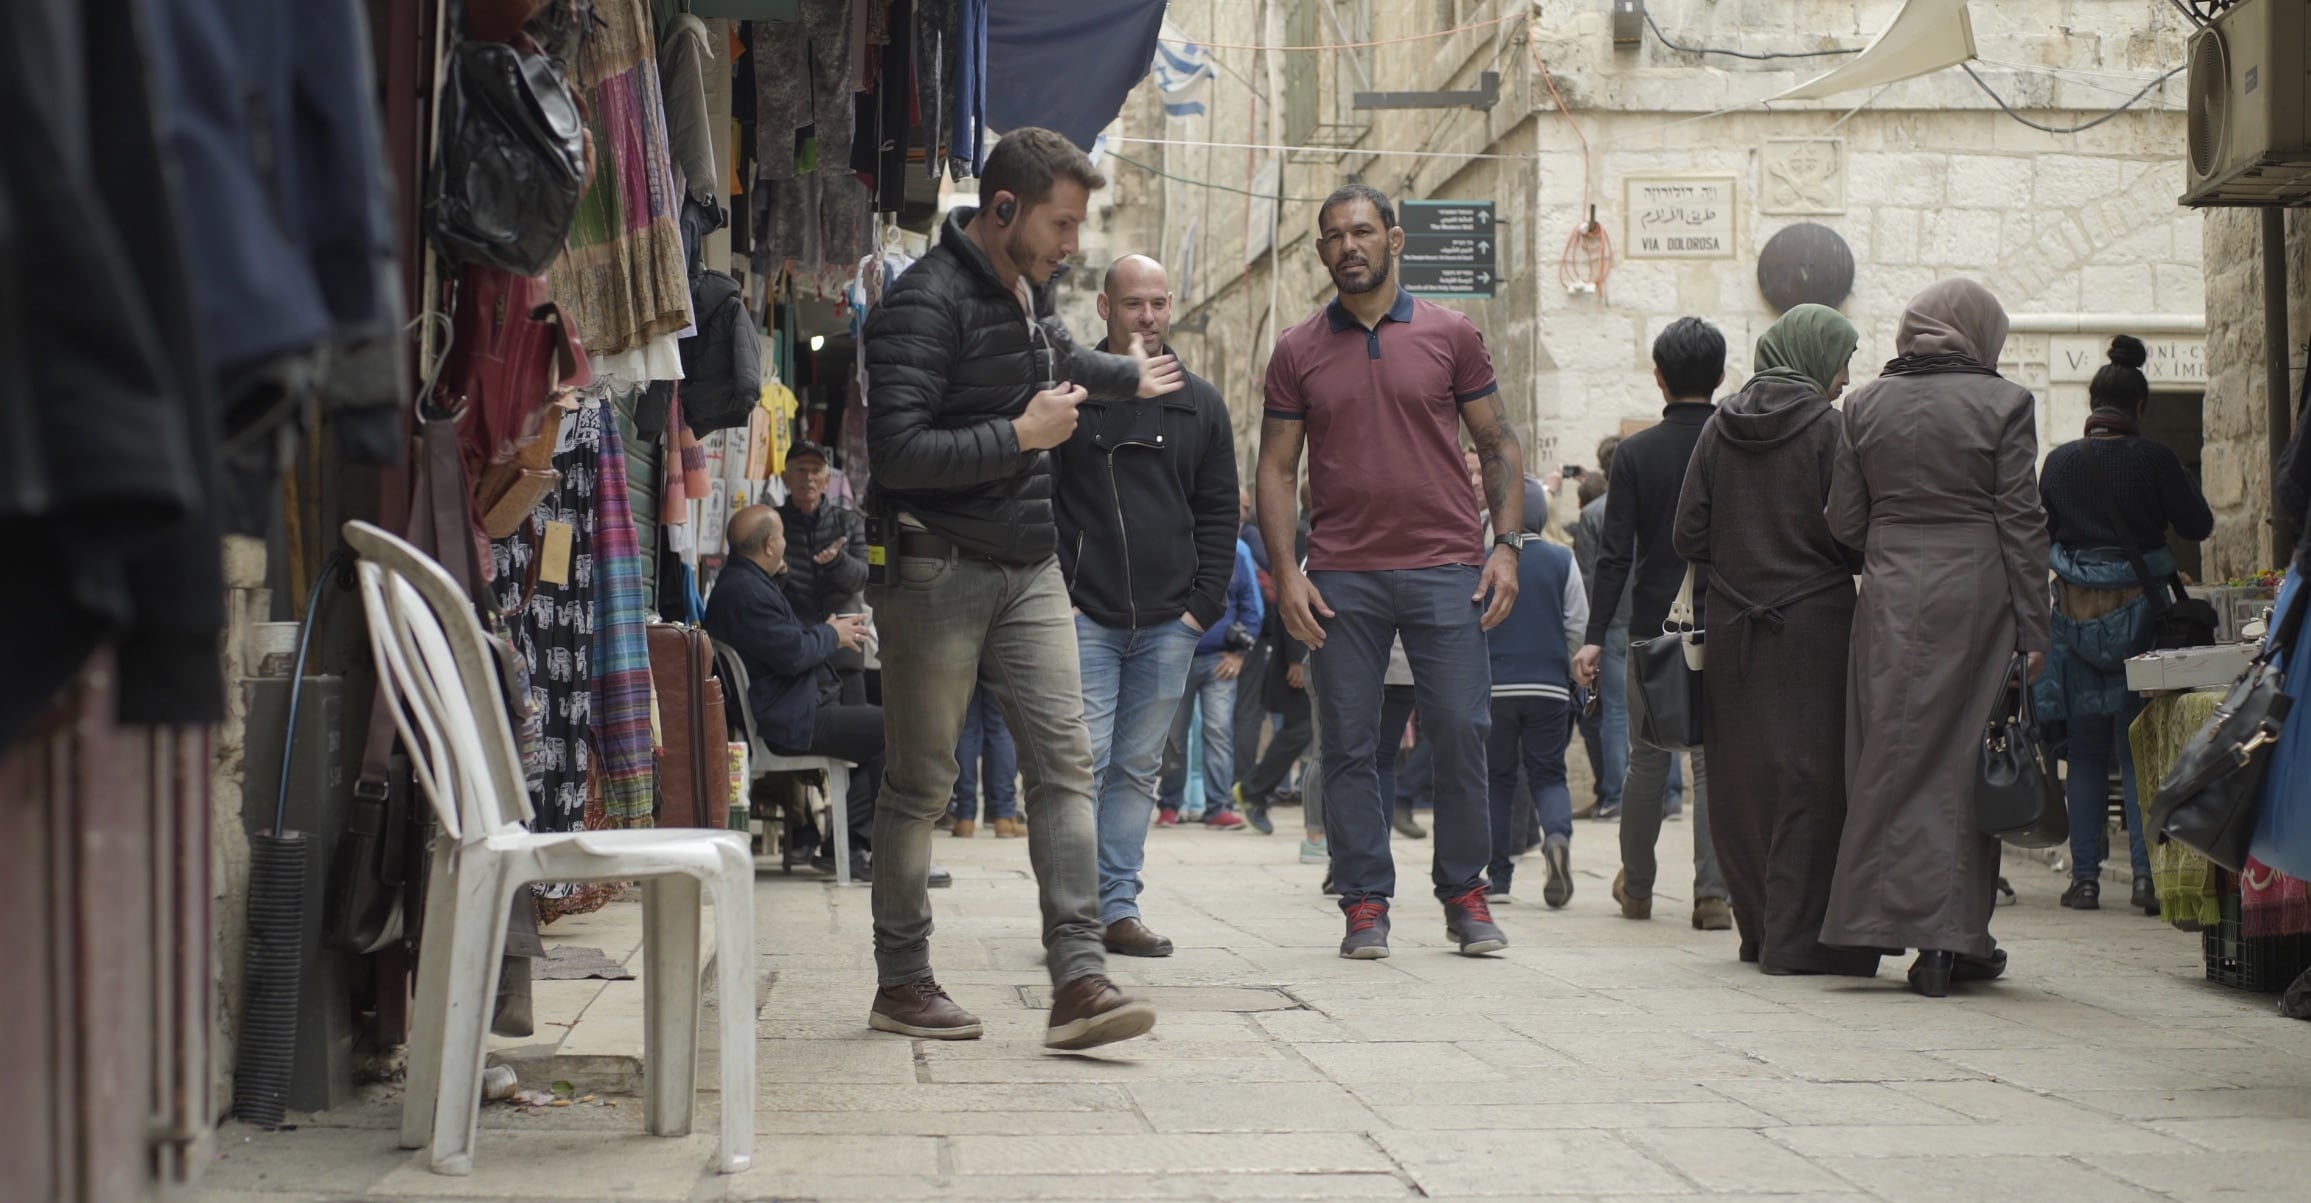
x=1383, y=411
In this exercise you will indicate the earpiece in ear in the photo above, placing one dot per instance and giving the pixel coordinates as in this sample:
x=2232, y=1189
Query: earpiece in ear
x=1004, y=211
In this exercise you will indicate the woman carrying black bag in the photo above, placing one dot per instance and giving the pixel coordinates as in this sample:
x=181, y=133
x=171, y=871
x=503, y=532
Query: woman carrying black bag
x=2110, y=499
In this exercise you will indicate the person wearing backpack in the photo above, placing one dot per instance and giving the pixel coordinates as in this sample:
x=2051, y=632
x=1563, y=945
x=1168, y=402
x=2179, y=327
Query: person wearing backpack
x=2110, y=499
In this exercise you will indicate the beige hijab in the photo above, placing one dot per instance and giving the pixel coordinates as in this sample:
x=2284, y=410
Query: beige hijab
x=1954, y=317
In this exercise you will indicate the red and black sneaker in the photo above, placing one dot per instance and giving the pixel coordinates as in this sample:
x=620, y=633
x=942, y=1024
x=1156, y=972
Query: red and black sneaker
x=1367, y=930
x=1468, y=920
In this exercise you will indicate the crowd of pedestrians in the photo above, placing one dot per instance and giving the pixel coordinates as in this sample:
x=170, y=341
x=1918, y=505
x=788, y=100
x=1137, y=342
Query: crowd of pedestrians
x=1072, y=589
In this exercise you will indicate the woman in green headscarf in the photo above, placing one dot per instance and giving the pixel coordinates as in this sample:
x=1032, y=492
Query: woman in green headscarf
x=1780, y=614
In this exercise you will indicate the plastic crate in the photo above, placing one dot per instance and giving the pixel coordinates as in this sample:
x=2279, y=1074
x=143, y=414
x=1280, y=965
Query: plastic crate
x=2264, y=964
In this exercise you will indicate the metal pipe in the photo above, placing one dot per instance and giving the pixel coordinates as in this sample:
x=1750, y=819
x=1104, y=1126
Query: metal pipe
x=2277, y=396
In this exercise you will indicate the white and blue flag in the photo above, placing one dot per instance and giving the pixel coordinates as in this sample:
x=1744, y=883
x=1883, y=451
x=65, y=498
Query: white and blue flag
x=1183, y=73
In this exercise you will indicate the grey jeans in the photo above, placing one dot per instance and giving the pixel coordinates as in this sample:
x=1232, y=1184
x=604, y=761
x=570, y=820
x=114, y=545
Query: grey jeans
x=1644, y=795
x=947, y=626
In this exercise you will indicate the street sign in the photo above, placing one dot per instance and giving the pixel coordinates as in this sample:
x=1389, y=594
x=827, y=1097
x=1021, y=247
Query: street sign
x=1450, y=249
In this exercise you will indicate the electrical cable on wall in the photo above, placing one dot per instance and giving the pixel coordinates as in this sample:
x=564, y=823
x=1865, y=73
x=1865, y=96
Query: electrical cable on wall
x=2131, y=101
x=1587, y=260
x=1217, y=187
x=1753, y=55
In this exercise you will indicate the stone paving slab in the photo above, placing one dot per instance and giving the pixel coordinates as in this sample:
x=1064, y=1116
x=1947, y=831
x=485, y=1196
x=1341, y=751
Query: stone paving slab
x=1596, y=1059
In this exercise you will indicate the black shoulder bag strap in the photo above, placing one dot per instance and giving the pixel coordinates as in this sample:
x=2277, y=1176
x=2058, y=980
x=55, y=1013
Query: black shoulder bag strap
x=2152, y=588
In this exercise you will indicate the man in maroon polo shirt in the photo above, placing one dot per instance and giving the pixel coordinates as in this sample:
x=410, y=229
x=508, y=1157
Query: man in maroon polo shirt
x=1377, y=386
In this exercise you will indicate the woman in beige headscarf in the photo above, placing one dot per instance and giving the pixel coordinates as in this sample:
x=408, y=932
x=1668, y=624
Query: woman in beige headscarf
x=1935, y=482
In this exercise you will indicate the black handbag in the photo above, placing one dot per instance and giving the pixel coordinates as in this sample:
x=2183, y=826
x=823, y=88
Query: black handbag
x=2210, y=797
x=2016, y=796
x=512, y=162
x=1664, y=685
x=2177, y=618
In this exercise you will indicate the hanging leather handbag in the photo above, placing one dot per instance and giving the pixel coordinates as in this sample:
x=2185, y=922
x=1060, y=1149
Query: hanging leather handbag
x=1665, y=679
x=512, y=161
x=2016, y=795
x=2209, y=800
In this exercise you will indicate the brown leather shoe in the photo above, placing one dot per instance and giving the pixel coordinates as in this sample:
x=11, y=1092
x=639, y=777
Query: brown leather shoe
x=1010, y=829
x=1133, y=939
x=1712, y=914
x=1090, y=1011
x=965, y=828
x=1632, y=906
x=920, y=1008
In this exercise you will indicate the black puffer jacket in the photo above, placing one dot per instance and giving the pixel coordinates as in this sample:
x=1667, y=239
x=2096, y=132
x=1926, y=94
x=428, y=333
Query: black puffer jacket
x=950, y=361
x=1148, y=507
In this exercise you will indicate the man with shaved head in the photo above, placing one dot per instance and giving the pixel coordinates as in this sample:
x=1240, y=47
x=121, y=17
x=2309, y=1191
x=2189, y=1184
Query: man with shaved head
x=792, y=688
x=1147, y=510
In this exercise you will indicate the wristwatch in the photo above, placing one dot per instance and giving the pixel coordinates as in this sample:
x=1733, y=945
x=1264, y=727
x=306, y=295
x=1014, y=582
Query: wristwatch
x=1514, y=541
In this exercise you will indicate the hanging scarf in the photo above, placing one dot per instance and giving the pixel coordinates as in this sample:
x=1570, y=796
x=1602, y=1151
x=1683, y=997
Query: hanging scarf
x=1811, y=344
x=620, y=718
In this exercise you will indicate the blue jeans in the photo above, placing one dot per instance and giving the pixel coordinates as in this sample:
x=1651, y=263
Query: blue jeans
x=1217, y=700
x=1432, y=609
x=1132, y=684
x=985, y=735
x=2094, y=739
x=1534, y=731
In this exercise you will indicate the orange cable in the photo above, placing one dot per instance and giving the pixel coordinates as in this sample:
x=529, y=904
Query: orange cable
x=1588, y=255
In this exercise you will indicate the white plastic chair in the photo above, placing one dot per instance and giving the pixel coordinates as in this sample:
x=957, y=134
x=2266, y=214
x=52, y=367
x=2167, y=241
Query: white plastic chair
x=442, y=682
x=760, y=760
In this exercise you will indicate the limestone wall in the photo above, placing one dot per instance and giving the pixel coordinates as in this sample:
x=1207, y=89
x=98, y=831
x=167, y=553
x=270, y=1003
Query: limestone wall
x=1935, y=181
x=2238, y=469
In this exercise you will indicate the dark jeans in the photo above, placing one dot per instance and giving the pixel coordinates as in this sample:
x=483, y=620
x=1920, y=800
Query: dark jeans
x=1395, y=711
x=985, y=759
x=1434, y=612
x=1283, y=750
x=1251, y=711
x=855, y=734
x=2095, y=740
x=1529, y=733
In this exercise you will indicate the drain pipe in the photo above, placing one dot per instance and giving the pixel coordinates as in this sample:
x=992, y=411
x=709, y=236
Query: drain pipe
x=2277, y=397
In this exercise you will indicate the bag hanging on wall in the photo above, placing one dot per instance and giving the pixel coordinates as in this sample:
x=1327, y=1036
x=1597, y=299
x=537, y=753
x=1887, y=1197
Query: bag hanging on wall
x=2213, y=793
x=1665, y=679
x=512, y=161
x=2016, y=796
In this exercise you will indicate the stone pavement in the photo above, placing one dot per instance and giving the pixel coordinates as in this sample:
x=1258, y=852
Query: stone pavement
x=1596, y=1059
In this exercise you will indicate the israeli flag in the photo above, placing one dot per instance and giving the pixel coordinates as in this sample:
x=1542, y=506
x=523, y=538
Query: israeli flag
x=1183, y=73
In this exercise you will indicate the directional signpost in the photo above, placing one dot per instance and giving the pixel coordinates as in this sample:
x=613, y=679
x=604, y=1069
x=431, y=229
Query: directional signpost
x=1449, y=249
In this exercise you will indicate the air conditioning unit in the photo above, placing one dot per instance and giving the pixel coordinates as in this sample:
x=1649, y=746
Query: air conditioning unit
x=2250, y=88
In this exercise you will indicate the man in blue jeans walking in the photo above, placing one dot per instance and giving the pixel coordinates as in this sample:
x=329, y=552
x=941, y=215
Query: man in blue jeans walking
x=1376, y=387
x=1211, y=690
x=1147, y=509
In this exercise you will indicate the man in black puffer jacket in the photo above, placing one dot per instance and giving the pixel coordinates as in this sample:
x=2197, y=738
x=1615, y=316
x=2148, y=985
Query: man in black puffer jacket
x=971, y=380
x=1147, y=537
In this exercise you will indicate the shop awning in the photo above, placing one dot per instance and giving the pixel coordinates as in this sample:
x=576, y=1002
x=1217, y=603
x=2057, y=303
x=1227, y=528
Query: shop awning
x=1926, y=36
x=1066, y=64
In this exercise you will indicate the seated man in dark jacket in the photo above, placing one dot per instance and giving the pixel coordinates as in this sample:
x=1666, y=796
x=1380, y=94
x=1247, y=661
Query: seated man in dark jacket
x=791, y=689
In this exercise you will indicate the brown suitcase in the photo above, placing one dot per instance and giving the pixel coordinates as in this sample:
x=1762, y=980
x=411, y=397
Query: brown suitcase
x=693, y=773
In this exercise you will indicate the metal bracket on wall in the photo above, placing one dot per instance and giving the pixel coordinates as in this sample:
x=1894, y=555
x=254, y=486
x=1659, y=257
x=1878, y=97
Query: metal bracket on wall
x=1487, y=94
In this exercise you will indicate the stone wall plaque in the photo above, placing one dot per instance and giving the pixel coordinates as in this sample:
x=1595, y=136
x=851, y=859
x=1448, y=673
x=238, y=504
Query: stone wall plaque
x=1802, y=176
x=1680, y=217
x=2176, y=360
